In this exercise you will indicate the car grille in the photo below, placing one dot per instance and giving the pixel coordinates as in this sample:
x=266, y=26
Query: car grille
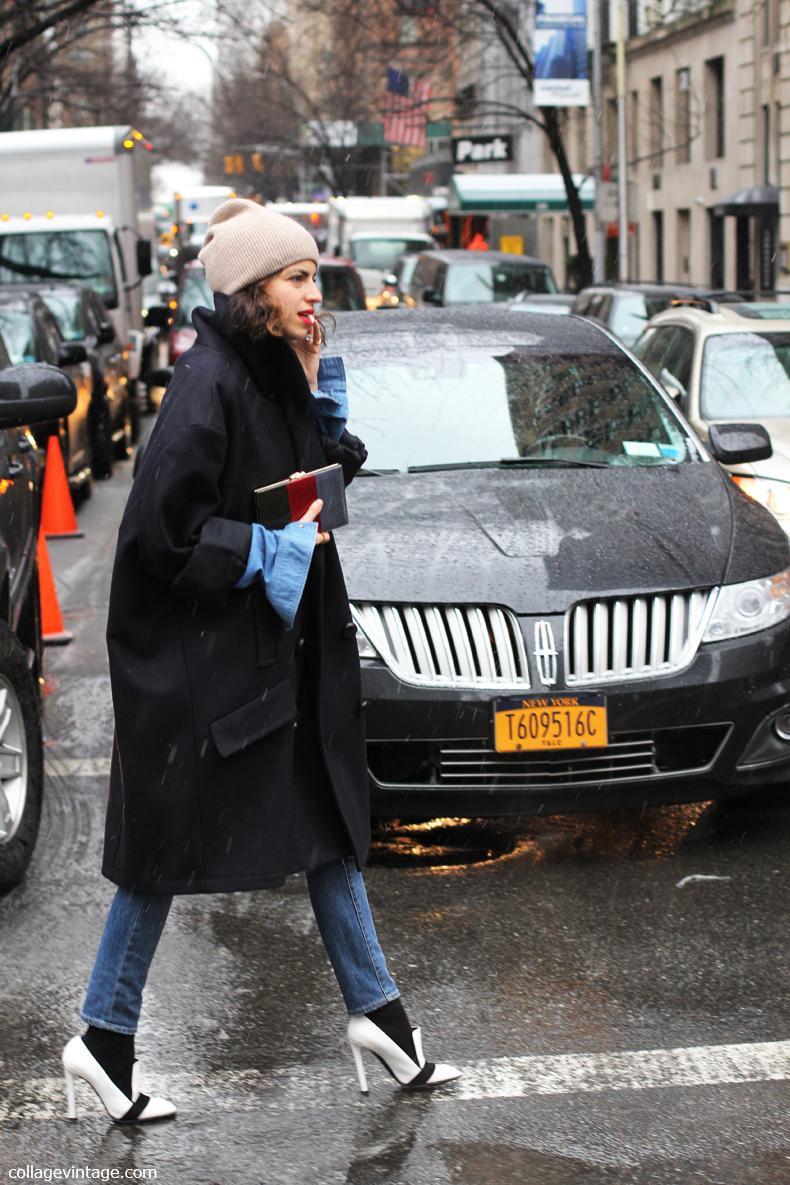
x=472, y=762
x=634, y=637
x=447, y=645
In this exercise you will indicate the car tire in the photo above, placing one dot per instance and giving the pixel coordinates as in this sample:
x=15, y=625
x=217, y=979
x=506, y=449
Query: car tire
x=21, y=776
x=102, y=451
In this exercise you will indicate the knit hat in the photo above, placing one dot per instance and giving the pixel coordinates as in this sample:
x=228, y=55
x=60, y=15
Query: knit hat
x=246, y=242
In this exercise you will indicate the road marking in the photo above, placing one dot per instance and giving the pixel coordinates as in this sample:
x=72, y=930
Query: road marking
x=76, y=767
x=308, y=1087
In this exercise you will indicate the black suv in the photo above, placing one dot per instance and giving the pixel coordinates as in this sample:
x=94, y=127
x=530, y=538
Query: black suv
x=28, y=394
x=625, y=309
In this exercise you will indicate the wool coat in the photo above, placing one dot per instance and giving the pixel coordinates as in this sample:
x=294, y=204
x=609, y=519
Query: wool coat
x=207, y=792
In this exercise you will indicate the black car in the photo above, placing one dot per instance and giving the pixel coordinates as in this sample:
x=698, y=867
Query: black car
x=626, y=308
x=453, y=277
x=83, y=318
x=27, y=394
x=32, y=334
x=562, y=601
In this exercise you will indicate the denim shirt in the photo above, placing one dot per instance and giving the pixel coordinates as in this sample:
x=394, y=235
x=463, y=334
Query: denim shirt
x=281, y=559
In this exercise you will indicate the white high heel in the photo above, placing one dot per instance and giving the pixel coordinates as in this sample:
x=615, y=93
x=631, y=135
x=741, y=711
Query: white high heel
x=409, y=1074
x=79, y=1062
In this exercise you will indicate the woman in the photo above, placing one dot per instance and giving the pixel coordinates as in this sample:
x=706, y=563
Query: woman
x=239, y=753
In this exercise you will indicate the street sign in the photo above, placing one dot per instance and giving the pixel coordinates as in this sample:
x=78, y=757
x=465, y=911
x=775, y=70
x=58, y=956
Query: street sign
x=474, y=149
x=606, y=201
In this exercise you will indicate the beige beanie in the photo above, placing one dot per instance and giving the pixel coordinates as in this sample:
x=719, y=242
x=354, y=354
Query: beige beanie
x=246, y=242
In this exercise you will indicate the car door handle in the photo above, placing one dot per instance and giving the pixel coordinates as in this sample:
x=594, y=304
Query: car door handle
x=14, y=468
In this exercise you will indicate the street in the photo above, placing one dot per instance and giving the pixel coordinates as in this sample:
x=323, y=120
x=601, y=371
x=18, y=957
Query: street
x=613, y=985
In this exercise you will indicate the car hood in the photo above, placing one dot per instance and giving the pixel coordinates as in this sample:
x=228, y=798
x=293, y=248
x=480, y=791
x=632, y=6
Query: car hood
x=539, y=540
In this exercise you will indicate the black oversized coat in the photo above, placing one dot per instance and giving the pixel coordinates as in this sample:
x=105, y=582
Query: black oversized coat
x=202, y=673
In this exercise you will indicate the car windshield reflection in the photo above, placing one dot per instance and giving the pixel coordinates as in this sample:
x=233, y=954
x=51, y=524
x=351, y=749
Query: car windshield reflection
x=468, y=408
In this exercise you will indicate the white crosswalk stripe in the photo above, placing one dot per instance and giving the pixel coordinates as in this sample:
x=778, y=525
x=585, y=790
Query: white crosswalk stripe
x=495, y=1078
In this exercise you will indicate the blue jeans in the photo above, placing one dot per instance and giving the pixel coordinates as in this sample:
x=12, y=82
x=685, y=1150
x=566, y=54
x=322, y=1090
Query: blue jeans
x=136, y=920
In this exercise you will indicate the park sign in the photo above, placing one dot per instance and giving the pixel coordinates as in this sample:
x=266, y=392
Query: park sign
x=561, y=72
x=472, y=150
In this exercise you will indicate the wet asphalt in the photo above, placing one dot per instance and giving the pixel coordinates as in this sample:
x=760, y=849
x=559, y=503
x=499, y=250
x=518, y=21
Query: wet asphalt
x=617, y=1023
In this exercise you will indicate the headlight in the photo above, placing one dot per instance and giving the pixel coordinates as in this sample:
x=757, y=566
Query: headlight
x=773, y=495
x=749, y=607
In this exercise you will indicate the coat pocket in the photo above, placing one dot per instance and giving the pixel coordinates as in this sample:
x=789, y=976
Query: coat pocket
x=269, y=711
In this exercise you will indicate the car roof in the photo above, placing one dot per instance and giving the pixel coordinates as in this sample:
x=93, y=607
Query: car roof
x=748, y=317
x=459, y=255
x=645, y=288
x=406, y=332
x=335, y=261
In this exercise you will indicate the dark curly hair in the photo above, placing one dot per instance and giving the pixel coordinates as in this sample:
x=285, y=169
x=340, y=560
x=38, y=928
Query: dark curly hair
x=252, y=311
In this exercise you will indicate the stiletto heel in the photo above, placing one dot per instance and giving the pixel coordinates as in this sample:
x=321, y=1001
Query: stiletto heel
x=79, y=1062
x=411, y=1073
x=361, y=1075
x=71, y=1100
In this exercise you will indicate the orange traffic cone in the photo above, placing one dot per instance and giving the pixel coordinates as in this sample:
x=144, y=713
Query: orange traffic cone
x=57, y=509
x=52, y=631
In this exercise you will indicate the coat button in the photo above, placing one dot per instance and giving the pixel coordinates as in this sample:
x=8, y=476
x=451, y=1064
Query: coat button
x=349, y=629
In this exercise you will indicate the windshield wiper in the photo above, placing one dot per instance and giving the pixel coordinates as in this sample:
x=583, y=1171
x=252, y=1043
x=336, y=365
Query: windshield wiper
x=510, y=463
x=35, y=271
x=375, y=472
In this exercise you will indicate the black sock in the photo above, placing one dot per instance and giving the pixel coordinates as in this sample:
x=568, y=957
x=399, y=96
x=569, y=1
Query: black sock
x=392, y=1019
x=115, y=1054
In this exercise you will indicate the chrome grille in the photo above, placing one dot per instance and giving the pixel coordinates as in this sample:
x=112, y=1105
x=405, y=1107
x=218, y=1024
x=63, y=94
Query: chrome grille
x=447, y=645
x=631, y=637
x=473, y=763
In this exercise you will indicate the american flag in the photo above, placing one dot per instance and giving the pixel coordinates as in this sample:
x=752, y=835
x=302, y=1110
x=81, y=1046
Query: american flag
x=406, y=115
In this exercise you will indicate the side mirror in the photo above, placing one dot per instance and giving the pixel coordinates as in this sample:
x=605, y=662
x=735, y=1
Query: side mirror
x=158, y=316
x=34, y=393
x=160, y=378
x=71, y=354
x=106, y=333
x=737, y=444
x=143, y=252
x=429, y=296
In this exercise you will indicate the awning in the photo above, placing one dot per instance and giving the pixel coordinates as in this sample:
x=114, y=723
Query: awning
x=485, y=193
x=755, y=200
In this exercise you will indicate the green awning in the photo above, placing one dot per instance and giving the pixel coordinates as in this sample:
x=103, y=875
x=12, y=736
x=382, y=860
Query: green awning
x=486, y=193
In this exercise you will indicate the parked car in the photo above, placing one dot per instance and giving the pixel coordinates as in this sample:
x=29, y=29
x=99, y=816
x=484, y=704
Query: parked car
x=562, y=603
x=28, y=394
x=451, y=277
x=341, y=286
x=730, y=362
x=31, y=334
x=626, y=308
x=549, y=302
x=82, y=318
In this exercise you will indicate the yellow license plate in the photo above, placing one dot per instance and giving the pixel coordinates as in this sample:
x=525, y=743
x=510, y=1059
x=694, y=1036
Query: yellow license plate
x=550, y=722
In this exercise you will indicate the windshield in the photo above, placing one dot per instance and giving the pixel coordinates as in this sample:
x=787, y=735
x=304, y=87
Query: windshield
x=452, y=408
x=486, y=282
x=66, y=307
x=195, y=293
x=745, y=375
x=60, y=255
x=382, y=253
x=16, y=329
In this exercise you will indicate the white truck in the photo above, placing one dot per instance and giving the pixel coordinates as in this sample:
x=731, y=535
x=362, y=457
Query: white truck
x=192, y=209
x=75, y=204
x=374, y=231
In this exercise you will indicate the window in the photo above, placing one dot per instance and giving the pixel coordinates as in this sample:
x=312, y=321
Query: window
x=746, y=375
x=60, y=255
x=656, y=119
x=683, y=244
x=683, y=116
x=677, y=363
x=18, y=332
x=66, y=306
x=714, y=108
x=658, y=245
x=487, y=281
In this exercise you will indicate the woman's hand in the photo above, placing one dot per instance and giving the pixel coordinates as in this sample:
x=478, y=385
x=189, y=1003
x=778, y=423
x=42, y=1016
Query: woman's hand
x=309, y=354
x=312, y=513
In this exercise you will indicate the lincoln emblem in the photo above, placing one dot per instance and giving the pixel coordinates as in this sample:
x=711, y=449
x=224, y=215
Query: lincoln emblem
x=545, y=653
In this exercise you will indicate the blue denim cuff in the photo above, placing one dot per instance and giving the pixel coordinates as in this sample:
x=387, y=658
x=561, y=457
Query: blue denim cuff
x=331, y=398
x=282, y=560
